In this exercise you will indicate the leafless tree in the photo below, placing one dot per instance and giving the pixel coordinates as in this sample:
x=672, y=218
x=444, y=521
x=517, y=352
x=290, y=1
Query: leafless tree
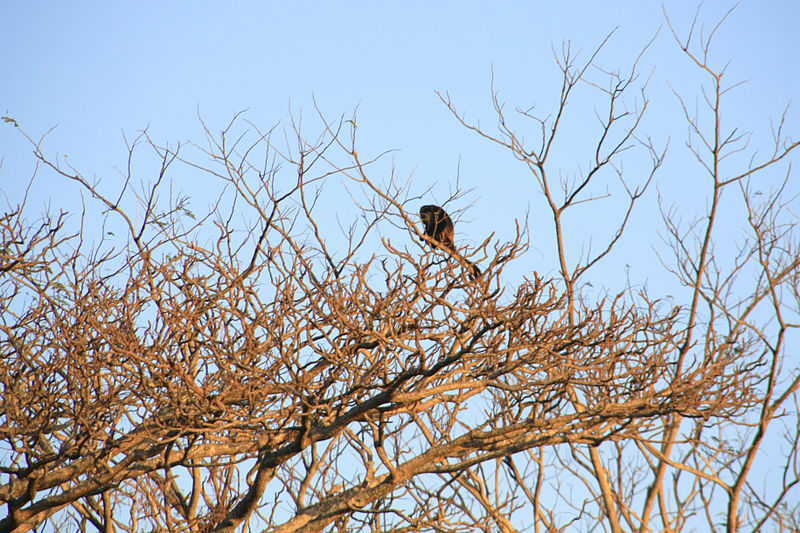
x=258, y=367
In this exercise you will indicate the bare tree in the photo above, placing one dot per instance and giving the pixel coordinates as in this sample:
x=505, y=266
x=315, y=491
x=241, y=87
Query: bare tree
x=729, y=320
x=256, y=367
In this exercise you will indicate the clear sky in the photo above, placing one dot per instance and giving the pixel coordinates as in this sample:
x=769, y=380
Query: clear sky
x=98, y=69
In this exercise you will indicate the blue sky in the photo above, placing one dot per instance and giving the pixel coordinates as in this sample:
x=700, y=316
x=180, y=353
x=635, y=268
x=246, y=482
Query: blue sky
x=98, y=69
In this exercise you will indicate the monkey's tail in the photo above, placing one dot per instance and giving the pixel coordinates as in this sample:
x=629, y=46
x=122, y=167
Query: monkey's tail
x=475, y=272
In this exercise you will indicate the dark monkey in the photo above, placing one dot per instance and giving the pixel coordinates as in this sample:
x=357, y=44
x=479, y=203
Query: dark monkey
x=439, y=227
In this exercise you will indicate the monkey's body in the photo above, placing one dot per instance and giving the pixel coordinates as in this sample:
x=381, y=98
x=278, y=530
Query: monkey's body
x=439, y=228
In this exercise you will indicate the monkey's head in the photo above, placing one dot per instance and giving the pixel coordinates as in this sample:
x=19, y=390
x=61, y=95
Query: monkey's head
x=438, y=225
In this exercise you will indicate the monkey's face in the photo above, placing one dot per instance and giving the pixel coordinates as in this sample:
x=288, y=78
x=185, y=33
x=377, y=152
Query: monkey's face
x=426, y=217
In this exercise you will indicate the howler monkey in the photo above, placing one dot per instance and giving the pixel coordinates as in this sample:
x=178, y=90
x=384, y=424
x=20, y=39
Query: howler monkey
x=439, y=227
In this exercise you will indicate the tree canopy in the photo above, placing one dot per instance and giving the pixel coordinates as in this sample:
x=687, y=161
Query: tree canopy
x=258, y=366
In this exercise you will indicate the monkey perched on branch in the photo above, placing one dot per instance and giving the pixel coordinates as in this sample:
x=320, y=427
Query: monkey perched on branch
x=439, y=228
